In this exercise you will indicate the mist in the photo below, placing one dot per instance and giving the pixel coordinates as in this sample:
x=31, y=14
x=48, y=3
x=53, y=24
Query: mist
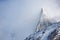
x=20, y=17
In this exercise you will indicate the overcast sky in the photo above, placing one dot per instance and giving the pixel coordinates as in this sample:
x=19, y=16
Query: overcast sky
x=21, y=16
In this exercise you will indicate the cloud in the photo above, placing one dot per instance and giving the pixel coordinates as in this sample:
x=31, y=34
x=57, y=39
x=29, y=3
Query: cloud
x=52, y=9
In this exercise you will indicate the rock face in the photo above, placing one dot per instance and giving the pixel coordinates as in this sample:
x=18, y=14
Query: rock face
x=46, y=30
x=51, y=33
